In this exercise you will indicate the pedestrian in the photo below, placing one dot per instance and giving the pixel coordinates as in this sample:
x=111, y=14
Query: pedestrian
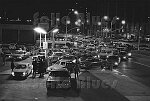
x=41, y=67
x=12, y=64
x=3, y=57
x=34, y=63
x=76, y=68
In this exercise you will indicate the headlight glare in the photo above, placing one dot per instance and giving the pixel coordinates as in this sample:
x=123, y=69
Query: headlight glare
x=13, y=74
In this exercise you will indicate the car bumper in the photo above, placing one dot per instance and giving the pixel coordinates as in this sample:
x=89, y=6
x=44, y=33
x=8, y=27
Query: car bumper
x=55, y=85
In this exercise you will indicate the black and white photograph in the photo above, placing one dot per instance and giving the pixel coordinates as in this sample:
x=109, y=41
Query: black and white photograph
x=74, y=50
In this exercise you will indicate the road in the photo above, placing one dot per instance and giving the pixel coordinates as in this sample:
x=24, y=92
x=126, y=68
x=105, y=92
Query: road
x=89, y=86
x=137, y=68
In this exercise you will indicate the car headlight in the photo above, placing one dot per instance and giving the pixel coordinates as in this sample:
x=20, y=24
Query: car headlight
x=95, y=56
x=12, y=73
x=124, y=57
x=24, y=73
x=20, y=57
x=116, y=63
x=129, y=54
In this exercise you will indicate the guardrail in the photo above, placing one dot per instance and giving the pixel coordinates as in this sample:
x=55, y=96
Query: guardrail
x=142, y=52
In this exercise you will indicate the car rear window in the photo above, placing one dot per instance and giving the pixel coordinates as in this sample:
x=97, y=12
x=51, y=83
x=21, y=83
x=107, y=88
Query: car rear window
x=20, y=66
x=59, y=74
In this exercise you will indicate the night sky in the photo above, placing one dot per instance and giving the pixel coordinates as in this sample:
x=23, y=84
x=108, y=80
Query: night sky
x=131, y=10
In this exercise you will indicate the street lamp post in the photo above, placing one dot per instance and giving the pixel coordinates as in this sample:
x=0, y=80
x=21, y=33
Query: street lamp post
x=139, y=39
x=42, y=31
x=67, y=22
x=103, y=18
x=112, y=22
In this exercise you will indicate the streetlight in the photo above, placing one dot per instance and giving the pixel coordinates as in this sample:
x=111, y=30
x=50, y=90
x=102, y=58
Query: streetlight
x=123, y=22
x=105, y=17
x=112, y=22
x=67, y=22
x=139, y=38
x=76, y=12
x=42, y=31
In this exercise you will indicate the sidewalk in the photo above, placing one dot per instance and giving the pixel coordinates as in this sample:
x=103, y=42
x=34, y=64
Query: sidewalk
x=128, y=87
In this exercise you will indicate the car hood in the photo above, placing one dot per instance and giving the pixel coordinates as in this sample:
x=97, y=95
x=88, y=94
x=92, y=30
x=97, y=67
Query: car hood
x=19, y=70
x=55, y=66
x=103, y=54
x=58, y=79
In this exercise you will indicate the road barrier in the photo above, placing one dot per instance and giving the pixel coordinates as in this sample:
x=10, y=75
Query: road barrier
x=142, y=52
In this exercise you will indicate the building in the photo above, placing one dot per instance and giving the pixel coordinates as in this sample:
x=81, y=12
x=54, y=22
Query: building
x=16, y=33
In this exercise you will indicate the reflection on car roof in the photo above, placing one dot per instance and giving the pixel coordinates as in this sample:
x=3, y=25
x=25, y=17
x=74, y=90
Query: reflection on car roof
x=21, y=63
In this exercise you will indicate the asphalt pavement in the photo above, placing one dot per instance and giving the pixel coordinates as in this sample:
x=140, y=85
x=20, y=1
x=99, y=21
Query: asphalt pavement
x=130, y=82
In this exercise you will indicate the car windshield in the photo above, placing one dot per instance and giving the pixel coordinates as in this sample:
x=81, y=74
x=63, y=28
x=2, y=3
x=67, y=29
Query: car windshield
x=58, y=62
x=18, y=52
x=59, y=74
x=103, y=51
x=112, y=58
x=21, y=67
x=122, y=53
x=63, y=63
x=68, y=57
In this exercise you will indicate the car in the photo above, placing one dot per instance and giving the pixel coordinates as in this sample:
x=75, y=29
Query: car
x=90, y=63
x=37, y=57
x=103, y=55
x=114, y=60
x=68, y=57
x=18, y=55
x=58, y=79
x=69, y=65
x=22, y=69
x=55, y=56
x=123, y=55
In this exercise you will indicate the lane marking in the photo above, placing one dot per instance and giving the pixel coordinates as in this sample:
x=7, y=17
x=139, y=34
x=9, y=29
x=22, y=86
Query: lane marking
x=141, y=64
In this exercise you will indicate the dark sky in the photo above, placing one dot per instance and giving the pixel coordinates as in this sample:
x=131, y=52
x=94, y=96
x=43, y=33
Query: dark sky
x=132, y=10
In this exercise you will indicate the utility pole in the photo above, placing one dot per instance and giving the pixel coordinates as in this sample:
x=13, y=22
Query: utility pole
x=139, y=39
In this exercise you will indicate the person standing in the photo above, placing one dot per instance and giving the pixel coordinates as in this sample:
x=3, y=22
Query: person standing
x=76, y=68
x=3, y=57
x=41, y=67
x=12, y=64
x=34, y=63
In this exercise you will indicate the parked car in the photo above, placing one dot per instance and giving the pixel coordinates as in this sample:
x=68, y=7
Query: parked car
x=69, y=65
x=90, y=63
x=58, y=78
x=55, y=56
x=22, y=69
x=18, y=55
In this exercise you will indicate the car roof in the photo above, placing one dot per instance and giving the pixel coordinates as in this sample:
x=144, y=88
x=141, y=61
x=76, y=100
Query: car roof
x=21, y=63
x=64, y=60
